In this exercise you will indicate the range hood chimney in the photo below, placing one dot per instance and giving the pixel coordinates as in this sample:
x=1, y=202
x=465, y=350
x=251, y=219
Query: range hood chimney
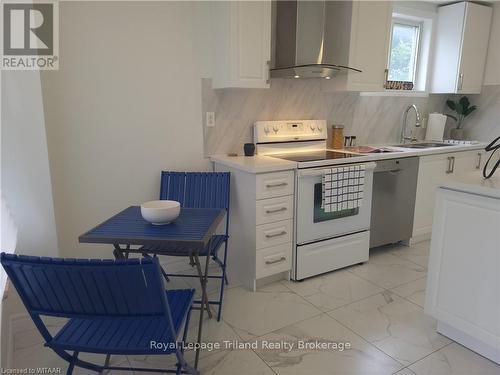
x=312, y=39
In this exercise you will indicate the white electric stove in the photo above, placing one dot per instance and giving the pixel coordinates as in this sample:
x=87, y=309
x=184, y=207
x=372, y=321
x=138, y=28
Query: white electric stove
x=323, y=241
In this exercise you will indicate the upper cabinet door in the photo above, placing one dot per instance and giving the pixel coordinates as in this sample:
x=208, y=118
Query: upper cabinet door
x=461, y=47
x=474, y=48
x=370, y=38
x=363, y=35
x=242, y=48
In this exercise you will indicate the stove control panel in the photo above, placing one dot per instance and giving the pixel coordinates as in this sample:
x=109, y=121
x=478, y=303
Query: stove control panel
x=289, y=131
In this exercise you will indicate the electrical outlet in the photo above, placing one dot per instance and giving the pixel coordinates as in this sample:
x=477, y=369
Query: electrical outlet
x=210, y=119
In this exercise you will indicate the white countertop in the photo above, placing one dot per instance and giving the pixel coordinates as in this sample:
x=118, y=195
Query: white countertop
x=254, y=164
x=263, y=164
x=474, y=183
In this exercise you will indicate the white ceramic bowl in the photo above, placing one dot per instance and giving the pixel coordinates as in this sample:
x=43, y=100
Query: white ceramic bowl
x=160, y=212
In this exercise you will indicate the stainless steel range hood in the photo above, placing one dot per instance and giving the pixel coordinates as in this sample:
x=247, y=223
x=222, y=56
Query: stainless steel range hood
x=312, y=39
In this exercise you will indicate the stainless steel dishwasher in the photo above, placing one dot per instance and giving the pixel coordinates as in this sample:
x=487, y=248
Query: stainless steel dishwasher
x=393, y=200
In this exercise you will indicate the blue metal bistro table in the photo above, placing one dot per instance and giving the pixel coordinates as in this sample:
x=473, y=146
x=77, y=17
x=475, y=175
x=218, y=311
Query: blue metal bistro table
x=189, y=234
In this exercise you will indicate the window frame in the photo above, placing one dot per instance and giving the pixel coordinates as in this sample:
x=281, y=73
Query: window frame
x=416, y=63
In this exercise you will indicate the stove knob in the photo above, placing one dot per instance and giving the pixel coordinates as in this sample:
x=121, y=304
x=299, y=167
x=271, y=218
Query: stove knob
x=320, y=128
x=266, y=129
x=312, y=127
x=276, y=128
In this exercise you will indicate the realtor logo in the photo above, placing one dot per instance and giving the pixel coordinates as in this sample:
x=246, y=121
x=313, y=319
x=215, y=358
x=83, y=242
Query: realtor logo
x=30, y=35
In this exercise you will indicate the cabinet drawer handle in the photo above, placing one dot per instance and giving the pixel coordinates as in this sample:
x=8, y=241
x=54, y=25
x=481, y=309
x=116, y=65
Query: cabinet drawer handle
x=277, y=184
x=276, y=261
x=451, y=164
x=272, y=235
x=276, y=210
x=479, y=155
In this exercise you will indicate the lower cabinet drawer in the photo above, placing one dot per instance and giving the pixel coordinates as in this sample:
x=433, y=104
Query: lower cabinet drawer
x=274, y=233
x=275, y=184
x=274, y=209
x=273, y=260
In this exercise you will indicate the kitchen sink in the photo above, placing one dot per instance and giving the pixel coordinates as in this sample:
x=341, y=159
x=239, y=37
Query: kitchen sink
x=423, y=145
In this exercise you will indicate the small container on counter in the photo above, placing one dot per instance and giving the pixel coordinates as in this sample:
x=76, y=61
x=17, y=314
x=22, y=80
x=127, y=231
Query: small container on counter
x=337, y=137
x=249, y=149
x=349, y=140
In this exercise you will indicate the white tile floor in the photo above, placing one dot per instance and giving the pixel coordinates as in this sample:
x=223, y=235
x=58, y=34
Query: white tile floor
x=376, y=307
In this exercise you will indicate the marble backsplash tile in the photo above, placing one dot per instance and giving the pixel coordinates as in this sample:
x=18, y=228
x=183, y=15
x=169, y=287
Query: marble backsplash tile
x=372, y=119
x=484, y=123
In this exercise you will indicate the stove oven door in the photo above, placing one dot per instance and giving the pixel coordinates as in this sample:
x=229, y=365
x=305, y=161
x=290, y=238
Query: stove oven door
x=313, y=223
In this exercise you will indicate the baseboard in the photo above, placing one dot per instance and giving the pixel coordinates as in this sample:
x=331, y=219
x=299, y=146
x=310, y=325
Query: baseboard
x=420, y=238
x=469, y=342
x=16, y=323
x=271, y=279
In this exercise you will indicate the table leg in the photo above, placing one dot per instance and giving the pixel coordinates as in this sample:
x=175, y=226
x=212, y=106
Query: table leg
x=164, y=273
x=207, y=260
x=117, y=252
x=203, y=282
x=204, y=301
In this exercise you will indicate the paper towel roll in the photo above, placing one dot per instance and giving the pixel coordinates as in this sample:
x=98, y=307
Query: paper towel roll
x=435, y=127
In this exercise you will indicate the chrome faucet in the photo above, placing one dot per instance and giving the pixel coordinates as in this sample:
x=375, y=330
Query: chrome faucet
x=403, y=126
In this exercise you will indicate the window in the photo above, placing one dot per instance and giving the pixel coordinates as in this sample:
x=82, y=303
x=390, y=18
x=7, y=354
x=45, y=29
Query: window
x=403, y=54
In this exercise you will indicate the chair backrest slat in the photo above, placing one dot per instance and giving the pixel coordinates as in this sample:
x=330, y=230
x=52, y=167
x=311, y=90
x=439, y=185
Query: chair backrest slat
x=196, y=189
x=72, y=288
x=174, y=185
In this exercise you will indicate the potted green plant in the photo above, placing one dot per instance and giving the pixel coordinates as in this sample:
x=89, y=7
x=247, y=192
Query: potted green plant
x=462, y=108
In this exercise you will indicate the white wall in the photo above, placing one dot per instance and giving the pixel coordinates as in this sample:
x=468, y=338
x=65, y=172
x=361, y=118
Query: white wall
x=25, y=183
x=492, y=74
x=125, y=104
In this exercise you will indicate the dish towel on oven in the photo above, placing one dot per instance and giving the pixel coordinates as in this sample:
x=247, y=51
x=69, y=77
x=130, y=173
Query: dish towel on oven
x=343, y=187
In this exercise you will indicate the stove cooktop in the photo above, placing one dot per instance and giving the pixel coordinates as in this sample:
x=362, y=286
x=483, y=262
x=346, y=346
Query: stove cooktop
x=305, y=156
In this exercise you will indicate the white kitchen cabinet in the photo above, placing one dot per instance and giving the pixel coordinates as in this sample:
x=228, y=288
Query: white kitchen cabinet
x=433, y=170
x=370, y=36
x=368, y=48
x=460, y=49
x=260, y=226
x=467, y=161
x=242, y=44
x=463, y=289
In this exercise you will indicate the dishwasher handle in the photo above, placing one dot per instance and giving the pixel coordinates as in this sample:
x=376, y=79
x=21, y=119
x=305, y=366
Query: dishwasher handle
x=395, y=166
x=394, y=171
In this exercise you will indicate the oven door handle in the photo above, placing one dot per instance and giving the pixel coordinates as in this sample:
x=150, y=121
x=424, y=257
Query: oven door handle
x=319, y=171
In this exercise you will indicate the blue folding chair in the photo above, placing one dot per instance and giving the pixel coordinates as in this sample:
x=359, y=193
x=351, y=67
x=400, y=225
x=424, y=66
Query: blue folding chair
x=199, y=190
x=114, y=308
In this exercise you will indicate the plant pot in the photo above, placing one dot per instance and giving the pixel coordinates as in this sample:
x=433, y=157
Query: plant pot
x=457, y=134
